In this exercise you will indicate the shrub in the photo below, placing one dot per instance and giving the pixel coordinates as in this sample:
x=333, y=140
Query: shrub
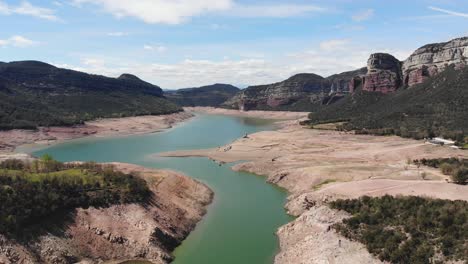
x=460, y=176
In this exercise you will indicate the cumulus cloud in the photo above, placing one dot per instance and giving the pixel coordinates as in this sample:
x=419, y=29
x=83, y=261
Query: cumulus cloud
x=17, y=41
x=176, y=12
x=27, y=9
x=363, y=15
x=448, y=12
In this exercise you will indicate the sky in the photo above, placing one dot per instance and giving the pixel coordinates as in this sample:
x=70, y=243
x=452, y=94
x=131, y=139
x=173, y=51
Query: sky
x=190, y=43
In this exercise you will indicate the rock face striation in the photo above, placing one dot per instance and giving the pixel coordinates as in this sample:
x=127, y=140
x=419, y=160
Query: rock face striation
x=432, y=59
x=301, y=92
x=383, y=73
x=300, y=87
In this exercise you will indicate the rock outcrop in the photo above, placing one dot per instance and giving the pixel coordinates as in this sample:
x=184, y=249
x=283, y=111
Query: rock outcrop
x=384, y=74
x=121, y=232
x=342, y=82
x=432, y=59
x=301, y=92
x=303, y=87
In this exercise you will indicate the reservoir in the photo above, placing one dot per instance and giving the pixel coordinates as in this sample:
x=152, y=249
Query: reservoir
x=240, y=225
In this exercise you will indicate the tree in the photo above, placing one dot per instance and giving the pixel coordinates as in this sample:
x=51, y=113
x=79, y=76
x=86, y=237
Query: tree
x=47, y=161
x=460, y=176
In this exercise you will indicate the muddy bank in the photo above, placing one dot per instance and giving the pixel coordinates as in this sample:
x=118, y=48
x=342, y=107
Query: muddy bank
x=11, y=139
x=318, y=166
x=122, y=232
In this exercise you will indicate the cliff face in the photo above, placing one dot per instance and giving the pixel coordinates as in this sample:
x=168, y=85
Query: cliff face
x=432, y=59
x=300, y=87
x=384, y=73
x=302, y=92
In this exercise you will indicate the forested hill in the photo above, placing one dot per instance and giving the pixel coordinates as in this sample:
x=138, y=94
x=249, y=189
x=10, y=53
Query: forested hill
x=438, y=106
x=35, y=94
x=210, y=95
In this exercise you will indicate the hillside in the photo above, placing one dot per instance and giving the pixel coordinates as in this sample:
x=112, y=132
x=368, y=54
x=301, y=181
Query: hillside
x=437, y=106
x=210, y=95
x=35, y=94
x=301, y=92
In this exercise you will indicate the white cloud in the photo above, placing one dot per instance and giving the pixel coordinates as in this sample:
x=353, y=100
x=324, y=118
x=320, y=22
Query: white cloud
x=275, y=10
x=157, y=48
x=117, y=34
x=159, y=11
x=449, y=12
x=17, y=41
x=179, y=11
x=363, y=15
x=27, y=9
x=334, y=44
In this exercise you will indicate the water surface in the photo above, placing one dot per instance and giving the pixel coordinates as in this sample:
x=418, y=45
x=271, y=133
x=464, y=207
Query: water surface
x=240, y=224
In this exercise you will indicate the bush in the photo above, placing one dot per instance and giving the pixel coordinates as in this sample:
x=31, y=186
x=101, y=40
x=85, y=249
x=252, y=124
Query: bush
x=447, y=169
x=460, y=176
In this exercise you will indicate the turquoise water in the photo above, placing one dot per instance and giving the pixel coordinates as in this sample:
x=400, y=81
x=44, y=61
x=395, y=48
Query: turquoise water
x=240, y=224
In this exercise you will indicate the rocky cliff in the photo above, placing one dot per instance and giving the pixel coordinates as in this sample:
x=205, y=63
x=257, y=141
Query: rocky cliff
x=301, y=92
x=386, y=74
x=299, y=88
x=383, y=73
x=432, y=59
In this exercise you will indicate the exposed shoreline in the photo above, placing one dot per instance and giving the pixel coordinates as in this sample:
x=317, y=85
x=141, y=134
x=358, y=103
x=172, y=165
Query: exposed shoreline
x=316, y=166
x=107, y=127
x=123, y=232
x=273, y=115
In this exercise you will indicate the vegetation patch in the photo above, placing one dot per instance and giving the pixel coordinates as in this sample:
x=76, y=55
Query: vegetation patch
x=457, y=169
x=325, y=182
x=33, y=191
x=407, y=229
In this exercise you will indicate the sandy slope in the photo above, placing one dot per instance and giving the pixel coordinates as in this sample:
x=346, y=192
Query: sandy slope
x=11, y=139
x=302, y=160
x=122, y=232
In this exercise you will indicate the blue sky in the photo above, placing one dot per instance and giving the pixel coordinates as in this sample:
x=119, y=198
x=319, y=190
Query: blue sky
x=188, y=43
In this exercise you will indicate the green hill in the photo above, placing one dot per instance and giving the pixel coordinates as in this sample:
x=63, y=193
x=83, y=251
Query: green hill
x=35, y=94
x=211, y=95
x=439, y=106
